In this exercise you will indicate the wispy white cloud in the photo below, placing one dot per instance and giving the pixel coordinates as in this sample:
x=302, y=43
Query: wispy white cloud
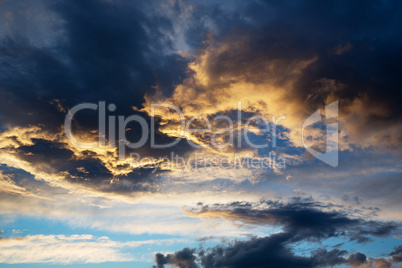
x=64, y=249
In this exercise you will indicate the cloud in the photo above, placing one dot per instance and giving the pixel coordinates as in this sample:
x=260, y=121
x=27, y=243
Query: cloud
x=301, y=220
x=109, y=212
x=64, y=249
x=8, y=185
x=277, y=58
x=357, y=259
x=285, y=66
x=183, y=259
x=396, y=254
x=71, y=58
x=276, y=65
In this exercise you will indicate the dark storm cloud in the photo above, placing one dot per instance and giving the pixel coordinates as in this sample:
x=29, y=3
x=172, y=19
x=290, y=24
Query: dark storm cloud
x=116, y=52
x=396, y=254
x=43, y=152
x=357, y=44
x=357, y=259
x=328, y=258
x=301, y=220
x=105, y=54
x=354, y=51
x=88, y=169
x=267, y=252
x=283, y=257
x=184, y=259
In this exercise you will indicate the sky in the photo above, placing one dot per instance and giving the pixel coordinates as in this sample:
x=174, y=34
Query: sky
x=200, y=134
